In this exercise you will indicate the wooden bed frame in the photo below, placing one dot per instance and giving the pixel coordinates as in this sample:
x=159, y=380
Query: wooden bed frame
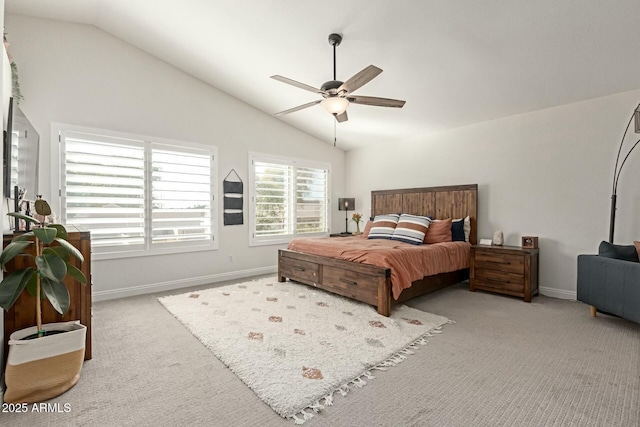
x=369, y=283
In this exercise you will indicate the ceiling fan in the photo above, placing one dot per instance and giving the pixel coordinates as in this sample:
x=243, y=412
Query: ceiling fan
x=337, y=95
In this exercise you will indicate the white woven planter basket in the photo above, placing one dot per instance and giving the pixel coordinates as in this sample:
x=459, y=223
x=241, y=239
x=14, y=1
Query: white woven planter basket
x=42, y=368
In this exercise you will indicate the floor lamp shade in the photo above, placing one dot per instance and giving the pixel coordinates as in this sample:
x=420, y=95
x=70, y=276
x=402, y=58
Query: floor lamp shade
x=346, y=204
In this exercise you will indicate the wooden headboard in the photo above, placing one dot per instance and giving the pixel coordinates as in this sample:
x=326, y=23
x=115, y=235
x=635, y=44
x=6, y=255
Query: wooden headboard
x=455, y=201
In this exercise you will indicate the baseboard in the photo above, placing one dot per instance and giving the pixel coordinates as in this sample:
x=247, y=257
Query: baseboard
x=558, y=293
x=178, y=284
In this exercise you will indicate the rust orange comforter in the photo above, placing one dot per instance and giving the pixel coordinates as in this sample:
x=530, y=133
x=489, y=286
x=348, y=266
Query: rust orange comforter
x=407, y=262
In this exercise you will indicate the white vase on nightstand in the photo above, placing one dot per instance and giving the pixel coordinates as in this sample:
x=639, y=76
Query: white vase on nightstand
x=498, y=238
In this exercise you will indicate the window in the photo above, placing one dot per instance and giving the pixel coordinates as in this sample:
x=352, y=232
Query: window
x=137, y=195
x=181, y=195
x=287, y=198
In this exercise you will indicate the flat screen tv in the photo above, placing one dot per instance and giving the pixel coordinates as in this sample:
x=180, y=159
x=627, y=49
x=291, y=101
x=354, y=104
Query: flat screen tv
x=21, y=154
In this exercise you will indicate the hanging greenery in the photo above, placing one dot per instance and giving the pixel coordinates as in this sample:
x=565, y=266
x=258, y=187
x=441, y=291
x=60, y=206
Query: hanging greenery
x=15, y=84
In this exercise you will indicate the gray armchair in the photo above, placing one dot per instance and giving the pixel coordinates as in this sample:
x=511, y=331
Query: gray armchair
x=610, y=285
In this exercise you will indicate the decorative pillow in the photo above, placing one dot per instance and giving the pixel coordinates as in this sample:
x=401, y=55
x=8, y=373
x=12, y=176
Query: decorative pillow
x=367, y=229
x=383, y=226
x=623, y=252
x=457, y=230
x=439, y=231
x=637, y=245
x=467, y=228
x=411, y=229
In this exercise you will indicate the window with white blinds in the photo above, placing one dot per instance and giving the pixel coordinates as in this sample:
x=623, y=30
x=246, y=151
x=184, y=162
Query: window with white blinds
x=137, y=195
x=104, y=187
x=288, y=198
x=311, y=200
x=181, y=196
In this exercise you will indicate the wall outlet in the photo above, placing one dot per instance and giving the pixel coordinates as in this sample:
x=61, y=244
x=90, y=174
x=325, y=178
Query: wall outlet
x=230, y=258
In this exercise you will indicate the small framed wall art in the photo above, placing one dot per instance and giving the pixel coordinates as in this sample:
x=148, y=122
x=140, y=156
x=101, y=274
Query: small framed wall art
x=530, y=242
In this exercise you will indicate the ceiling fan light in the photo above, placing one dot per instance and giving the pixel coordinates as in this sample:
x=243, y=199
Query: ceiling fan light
x=335, y=105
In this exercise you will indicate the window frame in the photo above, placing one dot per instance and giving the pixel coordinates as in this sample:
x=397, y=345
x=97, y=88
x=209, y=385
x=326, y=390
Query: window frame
x=296, y=163
x=149, y=142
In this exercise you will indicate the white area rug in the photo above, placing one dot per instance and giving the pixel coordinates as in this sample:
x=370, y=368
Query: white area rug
x=295, y=345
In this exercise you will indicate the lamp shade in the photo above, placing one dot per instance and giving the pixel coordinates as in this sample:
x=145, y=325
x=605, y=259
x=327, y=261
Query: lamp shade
x=335, y=105
x=346, y=204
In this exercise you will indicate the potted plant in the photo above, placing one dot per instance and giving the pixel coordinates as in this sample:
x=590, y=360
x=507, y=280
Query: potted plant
x=45, y=360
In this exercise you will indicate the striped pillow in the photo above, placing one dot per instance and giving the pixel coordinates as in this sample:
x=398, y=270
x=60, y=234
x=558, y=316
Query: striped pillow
x=383, y=226
x=411, y=229
x=367, y=229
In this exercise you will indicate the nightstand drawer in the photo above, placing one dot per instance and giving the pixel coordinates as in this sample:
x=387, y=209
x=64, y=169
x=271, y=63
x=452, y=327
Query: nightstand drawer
x=500, y=280
x=497, y=261
x=500, y=288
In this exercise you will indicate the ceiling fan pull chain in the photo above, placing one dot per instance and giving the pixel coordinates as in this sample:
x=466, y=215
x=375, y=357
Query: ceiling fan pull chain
x=334, y=132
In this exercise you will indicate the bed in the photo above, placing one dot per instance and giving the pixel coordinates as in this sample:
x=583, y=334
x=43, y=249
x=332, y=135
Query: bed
x=372, y=284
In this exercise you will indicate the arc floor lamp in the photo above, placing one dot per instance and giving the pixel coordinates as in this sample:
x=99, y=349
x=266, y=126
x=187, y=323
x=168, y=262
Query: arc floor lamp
x=616, y=170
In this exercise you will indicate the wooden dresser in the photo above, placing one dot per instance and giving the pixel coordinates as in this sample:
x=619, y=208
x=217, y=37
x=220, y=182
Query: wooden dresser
x=509, y=270
x=22, y=314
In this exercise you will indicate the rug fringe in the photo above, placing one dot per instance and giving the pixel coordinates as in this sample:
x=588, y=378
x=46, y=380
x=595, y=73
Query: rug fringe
x=358, y=382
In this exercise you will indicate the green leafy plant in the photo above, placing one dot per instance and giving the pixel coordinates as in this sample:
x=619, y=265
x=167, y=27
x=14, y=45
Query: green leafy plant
x=51, y=264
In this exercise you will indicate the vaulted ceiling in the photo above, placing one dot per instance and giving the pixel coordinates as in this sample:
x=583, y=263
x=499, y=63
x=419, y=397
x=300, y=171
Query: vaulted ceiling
x=454, y=62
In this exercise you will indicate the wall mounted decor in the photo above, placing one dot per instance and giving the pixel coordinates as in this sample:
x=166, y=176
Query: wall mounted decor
x=233, y=199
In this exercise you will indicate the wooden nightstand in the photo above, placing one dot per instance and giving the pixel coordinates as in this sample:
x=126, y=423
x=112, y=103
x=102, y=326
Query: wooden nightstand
x=509, y=270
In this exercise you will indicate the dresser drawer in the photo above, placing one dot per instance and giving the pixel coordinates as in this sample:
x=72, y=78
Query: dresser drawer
x=350, y=284
x=496, y=261
x=302, y=271
x=500, y=280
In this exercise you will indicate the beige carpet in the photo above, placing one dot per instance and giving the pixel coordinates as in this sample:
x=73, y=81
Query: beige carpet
x=504, y=363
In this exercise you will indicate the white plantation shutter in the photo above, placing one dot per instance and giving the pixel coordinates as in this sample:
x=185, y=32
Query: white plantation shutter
x=288, y=198
x=181, y=195
x=311, y=200
x=273, y=188
x=104, y=188
x=136, y=195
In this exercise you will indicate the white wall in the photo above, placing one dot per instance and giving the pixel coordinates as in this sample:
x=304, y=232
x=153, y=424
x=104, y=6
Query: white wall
x=547, y=174
x=77, y=74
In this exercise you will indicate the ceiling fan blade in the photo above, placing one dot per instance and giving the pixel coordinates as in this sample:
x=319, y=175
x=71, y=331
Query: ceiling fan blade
x=378, y=102
x=360, y=79
x=342, y=117
x=299, y=107
x=297, y=84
